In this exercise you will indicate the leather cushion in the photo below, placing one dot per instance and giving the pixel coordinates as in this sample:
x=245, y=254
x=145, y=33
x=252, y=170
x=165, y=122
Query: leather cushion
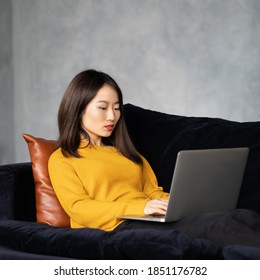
x=48, y=209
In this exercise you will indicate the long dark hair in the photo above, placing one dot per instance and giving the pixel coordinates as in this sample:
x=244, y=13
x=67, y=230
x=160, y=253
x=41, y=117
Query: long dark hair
x=81, y=90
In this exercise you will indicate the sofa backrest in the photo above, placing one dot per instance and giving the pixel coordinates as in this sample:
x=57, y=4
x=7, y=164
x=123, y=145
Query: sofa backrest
x=159, y=137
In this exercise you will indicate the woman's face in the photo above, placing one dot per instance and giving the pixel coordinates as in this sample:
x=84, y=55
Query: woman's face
x=101, y=115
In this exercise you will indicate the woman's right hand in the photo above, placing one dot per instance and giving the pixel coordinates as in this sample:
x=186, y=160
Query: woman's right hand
x=156, y=206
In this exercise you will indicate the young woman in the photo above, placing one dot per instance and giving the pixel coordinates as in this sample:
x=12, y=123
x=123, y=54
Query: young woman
x=96, y=171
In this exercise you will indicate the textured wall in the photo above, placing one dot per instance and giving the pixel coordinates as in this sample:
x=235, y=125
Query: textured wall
x=190, y=57
x=6, y=84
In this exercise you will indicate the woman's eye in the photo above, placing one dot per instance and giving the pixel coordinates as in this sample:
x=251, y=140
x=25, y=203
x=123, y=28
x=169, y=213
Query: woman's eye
x=102, y=108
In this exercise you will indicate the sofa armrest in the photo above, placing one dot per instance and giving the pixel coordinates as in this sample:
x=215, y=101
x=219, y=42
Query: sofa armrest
x=17, y=194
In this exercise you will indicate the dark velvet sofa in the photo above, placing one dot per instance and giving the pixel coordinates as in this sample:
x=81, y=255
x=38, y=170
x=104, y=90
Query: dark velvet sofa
x=158, y=137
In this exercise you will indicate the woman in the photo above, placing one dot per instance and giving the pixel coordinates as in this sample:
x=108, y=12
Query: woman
x=98, y=175
x=96, y=171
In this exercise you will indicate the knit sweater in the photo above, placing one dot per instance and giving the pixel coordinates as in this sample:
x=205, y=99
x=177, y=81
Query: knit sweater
x=101, y=185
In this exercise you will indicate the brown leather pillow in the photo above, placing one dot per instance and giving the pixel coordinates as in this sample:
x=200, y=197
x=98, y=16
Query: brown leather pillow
x=48, y=208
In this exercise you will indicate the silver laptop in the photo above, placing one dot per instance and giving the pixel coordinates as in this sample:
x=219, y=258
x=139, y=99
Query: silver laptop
x=203, y=181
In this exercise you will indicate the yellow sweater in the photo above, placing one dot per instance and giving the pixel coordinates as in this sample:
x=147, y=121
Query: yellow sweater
x=101, y=185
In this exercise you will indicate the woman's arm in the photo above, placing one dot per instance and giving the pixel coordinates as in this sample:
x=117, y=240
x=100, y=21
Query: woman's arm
x=150, y=183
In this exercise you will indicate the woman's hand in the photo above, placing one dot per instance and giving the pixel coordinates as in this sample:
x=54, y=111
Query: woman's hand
x=156, y=207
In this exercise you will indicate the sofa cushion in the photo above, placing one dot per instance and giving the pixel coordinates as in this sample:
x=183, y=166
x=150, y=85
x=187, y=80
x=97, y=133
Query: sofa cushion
x=159, y=137
x=147, y=244
x=48, y=208
x=86, y=243
x=241, y=252
x=43, y=239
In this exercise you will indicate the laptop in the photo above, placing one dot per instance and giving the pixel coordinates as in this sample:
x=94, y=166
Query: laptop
x=206, y=180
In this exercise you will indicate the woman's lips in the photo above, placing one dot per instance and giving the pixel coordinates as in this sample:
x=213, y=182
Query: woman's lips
x=109, y=127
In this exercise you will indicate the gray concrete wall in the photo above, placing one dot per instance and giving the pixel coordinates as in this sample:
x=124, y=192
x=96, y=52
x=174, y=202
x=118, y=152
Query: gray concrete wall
x=6, y=85
x=188, y=57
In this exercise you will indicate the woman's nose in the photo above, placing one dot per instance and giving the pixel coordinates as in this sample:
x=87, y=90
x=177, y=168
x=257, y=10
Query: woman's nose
x=110, y=115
